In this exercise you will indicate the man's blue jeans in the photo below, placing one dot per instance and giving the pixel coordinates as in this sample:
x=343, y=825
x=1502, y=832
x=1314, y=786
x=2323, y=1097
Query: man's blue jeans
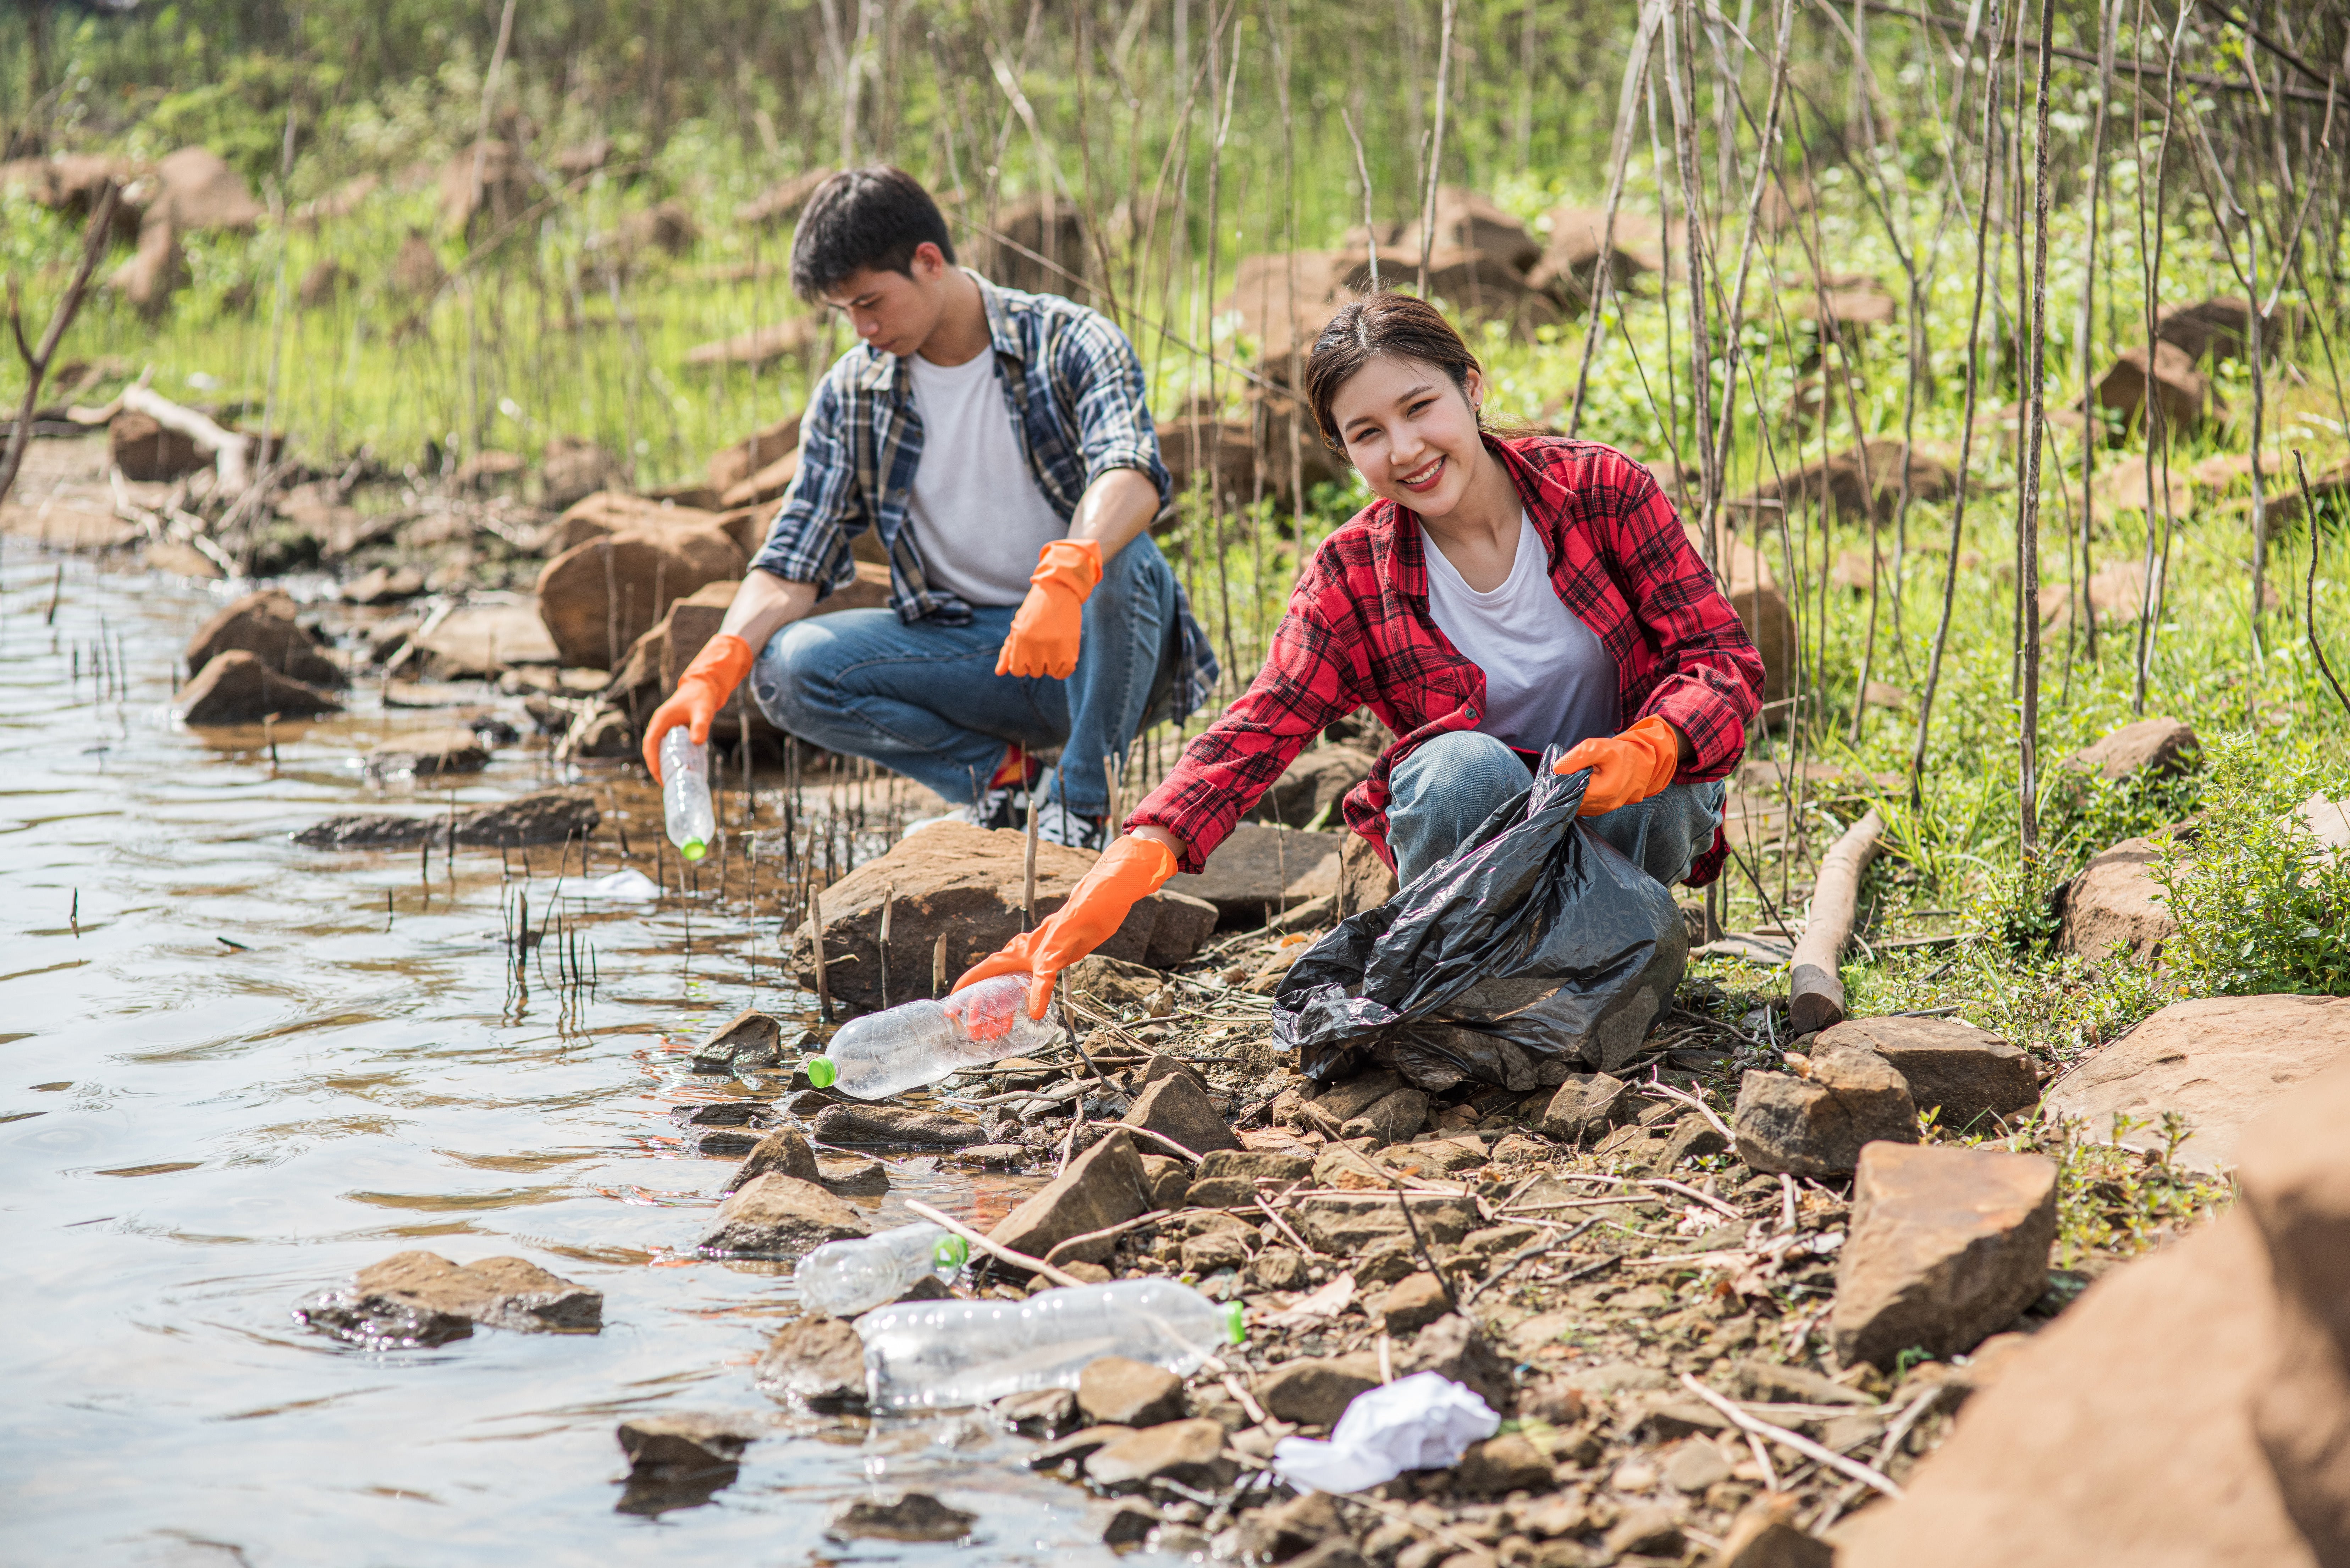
x=1442, y=791
x=925, y=699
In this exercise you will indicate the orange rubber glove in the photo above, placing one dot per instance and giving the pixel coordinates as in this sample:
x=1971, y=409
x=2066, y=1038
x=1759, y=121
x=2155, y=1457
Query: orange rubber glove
x=1625, y=768
x=1128, y=872
x=700, y=692
x=1044, y=630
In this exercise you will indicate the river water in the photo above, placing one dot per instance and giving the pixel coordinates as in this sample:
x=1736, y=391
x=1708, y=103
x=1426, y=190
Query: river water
x=233, y=1075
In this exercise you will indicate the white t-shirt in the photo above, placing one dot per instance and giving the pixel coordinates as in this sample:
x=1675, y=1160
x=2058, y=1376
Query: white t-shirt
x=1548, y=680
x=979, y=519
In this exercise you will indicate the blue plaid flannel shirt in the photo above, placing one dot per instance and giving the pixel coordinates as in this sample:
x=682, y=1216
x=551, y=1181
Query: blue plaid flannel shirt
x=1076, y=386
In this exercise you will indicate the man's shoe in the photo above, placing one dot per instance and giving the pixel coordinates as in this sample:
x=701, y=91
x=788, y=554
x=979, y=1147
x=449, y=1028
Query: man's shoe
x=998, y=808
x=1057, y=825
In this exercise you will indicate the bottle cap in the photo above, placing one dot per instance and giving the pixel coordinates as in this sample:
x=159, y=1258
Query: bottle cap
x=1235, y=1324
x=951, y=1252
x=693, y=849
x=822, y=1071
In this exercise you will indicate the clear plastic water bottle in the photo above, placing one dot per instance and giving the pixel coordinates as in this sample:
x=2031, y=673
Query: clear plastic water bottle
x=685, y=793
x=947, y=1354
x=921, y=1042
x=844, y=1278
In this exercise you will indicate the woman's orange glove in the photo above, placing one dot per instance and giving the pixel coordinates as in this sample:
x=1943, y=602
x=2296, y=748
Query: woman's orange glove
x=1128, y=872
x=700, y=692
x=1625, y=768
x=1044, y=630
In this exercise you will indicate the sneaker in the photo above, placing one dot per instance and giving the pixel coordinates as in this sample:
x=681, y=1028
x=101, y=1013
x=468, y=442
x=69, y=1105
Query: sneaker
x=1057, y=825
x=999, y=807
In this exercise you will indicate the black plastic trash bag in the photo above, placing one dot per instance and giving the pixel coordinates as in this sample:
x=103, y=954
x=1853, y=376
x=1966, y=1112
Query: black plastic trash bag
x=1532, y=951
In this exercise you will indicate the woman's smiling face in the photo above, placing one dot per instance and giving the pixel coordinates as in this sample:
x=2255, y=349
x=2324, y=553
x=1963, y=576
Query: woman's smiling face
x=1411, y=432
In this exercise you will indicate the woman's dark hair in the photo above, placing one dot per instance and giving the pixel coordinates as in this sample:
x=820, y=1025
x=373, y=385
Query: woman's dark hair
x=1384, y=326
x=874, y=217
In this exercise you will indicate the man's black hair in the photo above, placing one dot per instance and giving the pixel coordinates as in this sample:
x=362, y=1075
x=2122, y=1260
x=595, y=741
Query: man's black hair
x=872, y=217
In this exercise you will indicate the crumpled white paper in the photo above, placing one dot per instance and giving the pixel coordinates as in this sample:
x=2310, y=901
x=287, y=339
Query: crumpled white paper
x=1421, y=1422
x=629, y=884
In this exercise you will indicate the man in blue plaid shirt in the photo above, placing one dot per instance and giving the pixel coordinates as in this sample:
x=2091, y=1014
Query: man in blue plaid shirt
x=999, y=445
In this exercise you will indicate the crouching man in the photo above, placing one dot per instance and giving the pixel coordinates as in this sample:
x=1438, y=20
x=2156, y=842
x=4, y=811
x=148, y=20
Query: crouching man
x=999, y=445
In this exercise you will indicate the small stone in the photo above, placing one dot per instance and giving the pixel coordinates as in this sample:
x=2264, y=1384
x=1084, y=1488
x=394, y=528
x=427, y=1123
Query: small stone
x=1693, y=1135
x=1453, y=1345
x=1280, y=1532
x=1345, y=1226
x=1619, y=1377
x=1076, y=1445
x=547, y=816
x=852, y=1175
x=1191, y=1452
x=749, y=1039
x=428, y=754
x=1040, y=1413
x=420, y=1298
x=781, y=1216
x=1503, y=1464
x=1388, y=1262
x=1315, y=1391
x=238, y=688
x=263, y=624
x=1553, y=1402
x=1498, y=1241
x=1772, y=1383
x=1414, y=1303
x=1584, y=1106
x=1651, y=1530
x=1815, y=1126
x=816, y=1362
x=1114, y=1391
x=895, y=1126
x=383, y=584
x=1101, y=1188
x=1390, y=1120
x=1130, y=1522
x=1696, y=1465
x=2158, y=747
x=1335, y=1552
x=905, y=1516
x=1971, y=1073
x=1636, y=1475
x=725, y=1114
x=1227, y=1179
x=1677, y=1418
x=681, y=1446
x=1168, y=1180
x=781, y=1151
x=1214, y=1250
x=1176, y=1108
x=1946, y=1246
x=2113, y=905
x=1276, y=1268
x=1765, y=1535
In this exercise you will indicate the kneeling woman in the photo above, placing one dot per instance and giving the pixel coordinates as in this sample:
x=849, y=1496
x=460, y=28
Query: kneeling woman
x=1500, y=595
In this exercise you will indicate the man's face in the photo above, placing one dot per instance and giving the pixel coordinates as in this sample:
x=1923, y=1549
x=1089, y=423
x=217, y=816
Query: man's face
x=893, y=311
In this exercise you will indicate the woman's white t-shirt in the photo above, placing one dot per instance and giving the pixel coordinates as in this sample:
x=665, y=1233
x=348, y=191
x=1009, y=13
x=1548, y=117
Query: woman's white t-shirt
x=978, y=517
x=1548, y=680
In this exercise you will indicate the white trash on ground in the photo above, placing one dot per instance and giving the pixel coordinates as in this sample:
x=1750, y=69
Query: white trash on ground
x=630, y=884
x=1422, y=1422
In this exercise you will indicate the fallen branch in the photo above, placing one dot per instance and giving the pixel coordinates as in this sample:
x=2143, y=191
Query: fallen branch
x=36, y=360
x=1816, y=999
x=1796, y=1441
x=993, y=1249
x=1658, y=1086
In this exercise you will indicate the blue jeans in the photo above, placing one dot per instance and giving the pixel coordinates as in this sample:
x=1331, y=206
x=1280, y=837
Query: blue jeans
x=925, y=701
x=1442, y=793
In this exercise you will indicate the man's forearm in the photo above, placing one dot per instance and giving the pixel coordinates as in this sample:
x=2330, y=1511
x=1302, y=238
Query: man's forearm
x=764, y=606
x=1116, y=509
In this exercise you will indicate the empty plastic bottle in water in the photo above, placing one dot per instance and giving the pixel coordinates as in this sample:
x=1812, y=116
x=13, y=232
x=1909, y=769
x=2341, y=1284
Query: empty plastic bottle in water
x=844, y=1278
x=946, y=1353
x=922, y=1041
x=685, y=793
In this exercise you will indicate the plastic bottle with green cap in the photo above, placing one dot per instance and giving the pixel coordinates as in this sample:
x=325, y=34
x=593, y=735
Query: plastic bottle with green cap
x=685, y=793
x=844, y=1278
x=919, y=1043
x=944, y=1354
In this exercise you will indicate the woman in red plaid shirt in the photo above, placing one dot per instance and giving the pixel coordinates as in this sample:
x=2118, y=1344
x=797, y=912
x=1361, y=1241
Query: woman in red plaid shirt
x=1502, y=595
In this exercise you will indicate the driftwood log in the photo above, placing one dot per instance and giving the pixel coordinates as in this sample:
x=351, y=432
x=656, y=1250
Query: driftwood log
x=1815, y=995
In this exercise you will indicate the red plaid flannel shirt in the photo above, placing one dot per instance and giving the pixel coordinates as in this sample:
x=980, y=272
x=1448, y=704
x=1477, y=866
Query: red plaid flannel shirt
x=1358, y=631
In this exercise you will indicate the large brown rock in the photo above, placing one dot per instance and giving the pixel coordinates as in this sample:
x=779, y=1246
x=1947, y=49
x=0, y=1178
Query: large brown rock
x=730, y=465
x=548, y=816
x=1191, y=1452
x=262, y=624
x=1454, y=1346
x=1349, y=1224
x=1473, y=222
x=1227, y=1179
x=781, y=1216
x=239, y=687
x=894, y=1126
x=1856, y=482
x=965, y=883
x=2158, y=747
x=1971, y=1073
x=1176, y=1108
x=681, y=1446
x=1119, y=1391
x=155, y=270
x=1310, y=790
x=781, y=1151
x=749, y=1039
x=818, y=1362
x=144, y=450
x=1816, y=1125
x=1314, y=1391
x=1569, y=267
x=598, y=597
x=485, y=640
x=609, y=512
x=1262, y=871
x=2113, y=905
x=196, y=189
x=2181, y=389
x=1946, y=1245
x=2219, y=1062
x=421, y=1298
x=1101, y=1187
x=490, y=180
x=1587, y=1105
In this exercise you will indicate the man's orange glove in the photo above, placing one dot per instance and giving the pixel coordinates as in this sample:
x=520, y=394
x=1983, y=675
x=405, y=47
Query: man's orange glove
x=1044, y=630
x=700, y=692
x=1625, y=768
x=1128, y=872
